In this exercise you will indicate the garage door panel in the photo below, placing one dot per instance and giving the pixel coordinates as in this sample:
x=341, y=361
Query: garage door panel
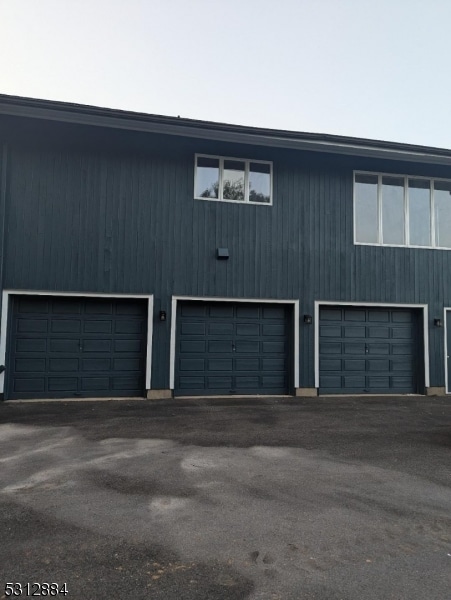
x=354, y=348
x=354, y=381
x=333, y=331
x=330, y=382
x=248, y=346
x=330, y=314
x=193, y=328
x=30, y=345
x=65, y=345
x=128, y=326
x=92, y=326
x=220, y=346
x=220, y=364
x=330, y=348
x=192, y=383
x=247, y=364
x=31, y=326
x=242, y=344
x=62, y=306
x=329, y=364
x=378, y=332
x=96, y=364
x=375, y=348
x=384, y=359
x=223, y=311
x=378, y=383
x=95, y=383
x=354, y=365
x=29, y=365
x=192, y=364
x=65, y=326
x=274, y=364
x=63, y=364
x=247, y=381
x=193, y=346
x=103, y=346
x=353, y=315
x=380, y=316
x=75, y=343
x=247, y=329
x=35, y=384
x=354, y=332
x=225, y=329
x=62, y=384
x=274, y=312
x=402, y=317
x=399, y=333
x=378, y=365
x=274, y=347
x=220, y=383
x=32, y=305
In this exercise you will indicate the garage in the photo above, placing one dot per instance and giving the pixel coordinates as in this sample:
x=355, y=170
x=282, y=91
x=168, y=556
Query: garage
x=62, y=347
x=365, y=350
x=233, y=348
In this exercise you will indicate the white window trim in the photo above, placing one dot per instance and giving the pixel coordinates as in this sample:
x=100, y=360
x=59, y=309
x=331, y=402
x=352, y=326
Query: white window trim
x=176, y=299
x=423, y=307
x=379, y=175
x=446, y=323
x=247, y=161
x=5, y=319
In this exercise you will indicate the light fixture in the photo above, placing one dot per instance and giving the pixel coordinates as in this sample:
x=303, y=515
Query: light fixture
x=438, y=323
x=162, y=315
x=222, y=253
x=308, y=319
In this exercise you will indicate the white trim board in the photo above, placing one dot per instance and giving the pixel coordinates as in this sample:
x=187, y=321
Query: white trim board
x=446, y=309
x=424, y=308
x=5, y=314
x=176, y=299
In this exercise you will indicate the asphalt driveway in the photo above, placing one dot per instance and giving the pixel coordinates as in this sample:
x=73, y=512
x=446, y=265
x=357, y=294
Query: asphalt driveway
x=325, y=499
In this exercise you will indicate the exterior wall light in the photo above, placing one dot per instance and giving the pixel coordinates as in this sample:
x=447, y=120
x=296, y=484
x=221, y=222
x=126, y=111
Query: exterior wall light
x=438, y=323
x=222, y=253
x=162, y=315
x=308, y=319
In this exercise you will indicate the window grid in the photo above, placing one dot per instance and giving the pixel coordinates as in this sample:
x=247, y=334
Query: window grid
x=406, y=210
x=246, y=162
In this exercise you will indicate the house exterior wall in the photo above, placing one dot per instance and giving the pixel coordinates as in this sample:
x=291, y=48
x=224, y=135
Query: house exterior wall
x=89, y=210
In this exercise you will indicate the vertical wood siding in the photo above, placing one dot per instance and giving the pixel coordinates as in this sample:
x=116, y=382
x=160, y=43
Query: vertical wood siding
x=125, y=221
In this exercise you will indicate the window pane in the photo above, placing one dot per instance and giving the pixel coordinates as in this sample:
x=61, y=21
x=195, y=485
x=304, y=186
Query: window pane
x=366, y=218
x=442, y=203
x=233, y=180
x=419, y=212
x=207, y=177
x=393, y=210
x=259, y=182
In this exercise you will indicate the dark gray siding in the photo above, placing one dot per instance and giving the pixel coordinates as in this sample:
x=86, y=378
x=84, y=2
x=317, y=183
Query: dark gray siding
x=103, y=212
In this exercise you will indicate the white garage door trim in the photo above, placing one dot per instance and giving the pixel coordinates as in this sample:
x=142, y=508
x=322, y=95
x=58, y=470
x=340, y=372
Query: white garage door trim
x=5, y=314
x=176, y=299
x=423, y=307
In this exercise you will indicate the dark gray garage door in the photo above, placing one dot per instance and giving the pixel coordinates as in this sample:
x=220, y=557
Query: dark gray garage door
x=63, y=347
x=228, y=348
x=369, y=350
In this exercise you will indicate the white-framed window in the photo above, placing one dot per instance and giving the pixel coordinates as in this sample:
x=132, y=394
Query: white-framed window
x=402, y=210
x=232, y=179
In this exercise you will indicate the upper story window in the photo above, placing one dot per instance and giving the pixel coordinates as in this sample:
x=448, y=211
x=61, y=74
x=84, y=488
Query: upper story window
x=399, y=210
x=233, y=180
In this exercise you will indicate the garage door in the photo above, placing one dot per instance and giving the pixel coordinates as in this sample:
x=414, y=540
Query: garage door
x=368, y=350
x=232, y=348
x=63, y=347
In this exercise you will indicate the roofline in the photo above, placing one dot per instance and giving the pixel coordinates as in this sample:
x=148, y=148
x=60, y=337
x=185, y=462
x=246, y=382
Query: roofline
x=81, y=114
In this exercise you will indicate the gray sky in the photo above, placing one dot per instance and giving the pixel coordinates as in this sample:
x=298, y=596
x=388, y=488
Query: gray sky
x=367, y=68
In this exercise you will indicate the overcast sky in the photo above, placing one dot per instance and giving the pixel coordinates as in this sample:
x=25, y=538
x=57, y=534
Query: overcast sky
x=367, y=68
